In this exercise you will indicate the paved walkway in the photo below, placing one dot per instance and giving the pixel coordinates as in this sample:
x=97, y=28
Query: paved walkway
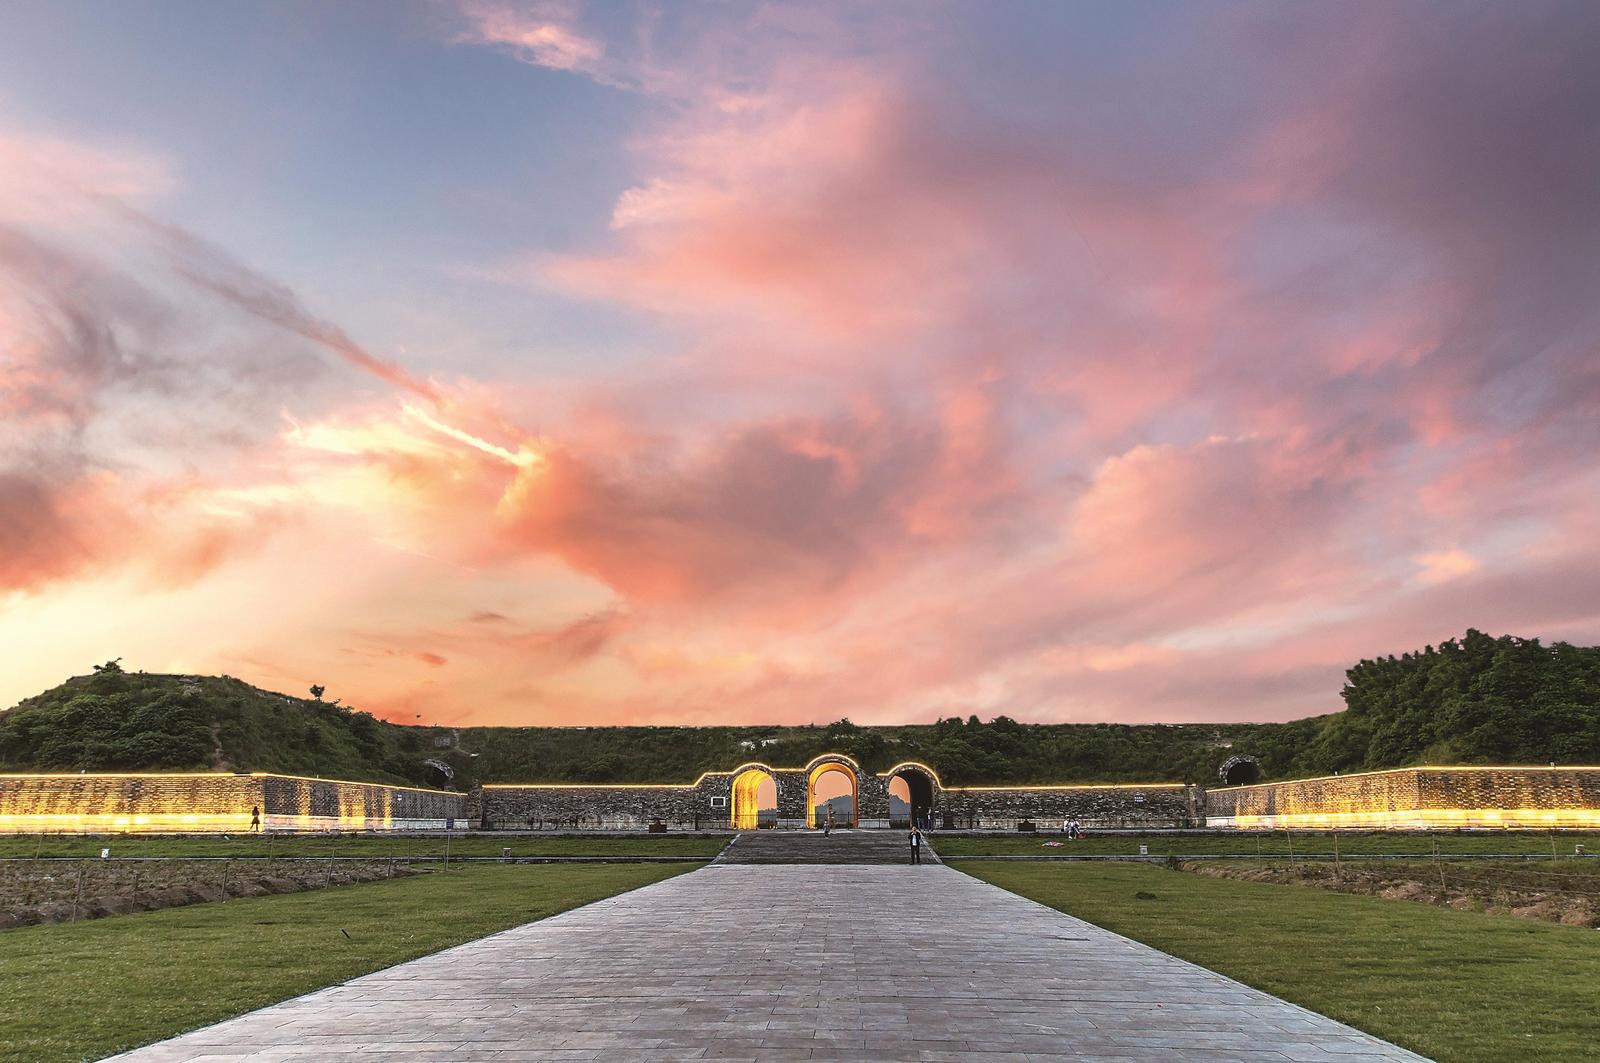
x=800, y=962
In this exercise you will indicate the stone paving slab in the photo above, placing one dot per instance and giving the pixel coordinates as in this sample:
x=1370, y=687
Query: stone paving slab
x=765, y=962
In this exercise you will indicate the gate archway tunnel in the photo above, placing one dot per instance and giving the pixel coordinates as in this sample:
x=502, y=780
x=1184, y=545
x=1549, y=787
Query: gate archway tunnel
x=831, y=786
x=755, y=800
x=910, y=798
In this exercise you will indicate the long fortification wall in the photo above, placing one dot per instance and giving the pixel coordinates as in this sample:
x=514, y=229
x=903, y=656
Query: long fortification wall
x=1416, y=799
x=216, y=801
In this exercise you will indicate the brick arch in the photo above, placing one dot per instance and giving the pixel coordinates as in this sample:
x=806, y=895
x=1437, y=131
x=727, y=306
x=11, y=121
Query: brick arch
x=1240, y=770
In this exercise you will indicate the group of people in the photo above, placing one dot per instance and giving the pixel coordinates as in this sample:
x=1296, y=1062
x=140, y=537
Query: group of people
x=1071, y=829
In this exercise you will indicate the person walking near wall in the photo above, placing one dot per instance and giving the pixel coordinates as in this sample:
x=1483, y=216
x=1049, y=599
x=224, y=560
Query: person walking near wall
x=916, y=846
x=255, y=817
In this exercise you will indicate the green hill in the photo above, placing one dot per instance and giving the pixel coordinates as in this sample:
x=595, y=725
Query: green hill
x=1474, y=700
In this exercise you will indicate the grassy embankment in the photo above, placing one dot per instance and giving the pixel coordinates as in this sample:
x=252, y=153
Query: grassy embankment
x=1268, y=843
x=1461, y=987
x=376, y=847
x=86, y=990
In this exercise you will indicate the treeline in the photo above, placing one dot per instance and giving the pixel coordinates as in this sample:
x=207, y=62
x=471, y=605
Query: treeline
x=1474, y=700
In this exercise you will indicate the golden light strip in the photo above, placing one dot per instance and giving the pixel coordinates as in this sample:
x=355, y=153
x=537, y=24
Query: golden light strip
x=912, y=764
x=158, y=822
x=1069, y=786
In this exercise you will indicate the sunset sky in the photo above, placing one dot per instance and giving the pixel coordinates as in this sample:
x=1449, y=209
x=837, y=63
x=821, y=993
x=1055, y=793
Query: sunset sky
x=739, y=363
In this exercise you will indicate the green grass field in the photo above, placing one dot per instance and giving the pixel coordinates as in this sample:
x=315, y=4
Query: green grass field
x=1461, y=987
x=374, y=846
x=1267, y=843
x=85, y=990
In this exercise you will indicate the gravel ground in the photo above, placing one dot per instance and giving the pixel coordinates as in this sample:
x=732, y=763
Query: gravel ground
x=1565, y=891
x=51, y=892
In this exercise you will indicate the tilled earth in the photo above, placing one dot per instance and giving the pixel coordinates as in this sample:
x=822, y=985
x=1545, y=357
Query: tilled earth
x=1565, y=892
x=50, y=891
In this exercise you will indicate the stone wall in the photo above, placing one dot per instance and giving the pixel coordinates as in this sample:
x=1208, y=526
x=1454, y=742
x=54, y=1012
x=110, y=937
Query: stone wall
x=215, y=801
x=597, y=807
x=292, y=803
x=1416, y=798
x=1094, y=807
x=707, y=803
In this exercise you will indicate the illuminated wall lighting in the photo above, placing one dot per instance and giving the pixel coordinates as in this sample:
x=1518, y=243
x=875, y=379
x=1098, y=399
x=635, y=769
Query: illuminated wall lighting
x=213, y=802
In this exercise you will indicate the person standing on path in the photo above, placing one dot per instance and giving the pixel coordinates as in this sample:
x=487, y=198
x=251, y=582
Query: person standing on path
x=255, y=817
x=916, y=846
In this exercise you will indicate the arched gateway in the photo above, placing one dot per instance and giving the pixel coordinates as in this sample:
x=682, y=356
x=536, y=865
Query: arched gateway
x=911, y=790
x=755, y=800
x=833, y=783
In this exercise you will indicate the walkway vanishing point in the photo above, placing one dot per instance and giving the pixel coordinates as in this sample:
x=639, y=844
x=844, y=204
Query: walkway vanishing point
x=766, y=961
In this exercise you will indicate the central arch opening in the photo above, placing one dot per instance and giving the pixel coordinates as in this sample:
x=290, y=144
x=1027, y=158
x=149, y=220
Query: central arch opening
x=831, y=786
x=755, y=800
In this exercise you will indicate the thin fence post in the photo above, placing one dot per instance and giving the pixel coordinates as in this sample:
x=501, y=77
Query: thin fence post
x=447, y=850
x=77, y=897
x=1289, y=834
x=1337, y=870
x=1437, y=865
x=1553, y=843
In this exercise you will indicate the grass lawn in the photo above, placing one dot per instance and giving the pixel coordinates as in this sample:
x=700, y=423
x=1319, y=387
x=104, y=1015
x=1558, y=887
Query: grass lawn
x=376, y=846
x=1461, y=987
x=86, y=990
x=1268, y=843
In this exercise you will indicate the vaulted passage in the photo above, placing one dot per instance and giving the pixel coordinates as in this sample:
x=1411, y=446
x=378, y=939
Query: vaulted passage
x=755, y=800
x=831, y=786
x=910, y=798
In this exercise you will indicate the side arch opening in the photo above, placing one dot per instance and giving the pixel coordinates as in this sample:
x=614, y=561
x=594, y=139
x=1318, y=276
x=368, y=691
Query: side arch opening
x=910, y=799
x=755, y=800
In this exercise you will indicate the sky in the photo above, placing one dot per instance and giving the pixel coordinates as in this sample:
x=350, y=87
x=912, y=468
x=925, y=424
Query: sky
x=657, y=363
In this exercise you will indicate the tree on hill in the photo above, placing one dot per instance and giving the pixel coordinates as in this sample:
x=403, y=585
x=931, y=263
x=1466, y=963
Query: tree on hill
x=1477, y=700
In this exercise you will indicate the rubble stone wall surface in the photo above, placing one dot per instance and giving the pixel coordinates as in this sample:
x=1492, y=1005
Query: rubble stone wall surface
x=1094, y=807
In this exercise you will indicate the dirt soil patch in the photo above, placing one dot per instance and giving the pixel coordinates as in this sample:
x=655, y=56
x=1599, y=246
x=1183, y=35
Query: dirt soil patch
x=58, y=891
x=1566, y=891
